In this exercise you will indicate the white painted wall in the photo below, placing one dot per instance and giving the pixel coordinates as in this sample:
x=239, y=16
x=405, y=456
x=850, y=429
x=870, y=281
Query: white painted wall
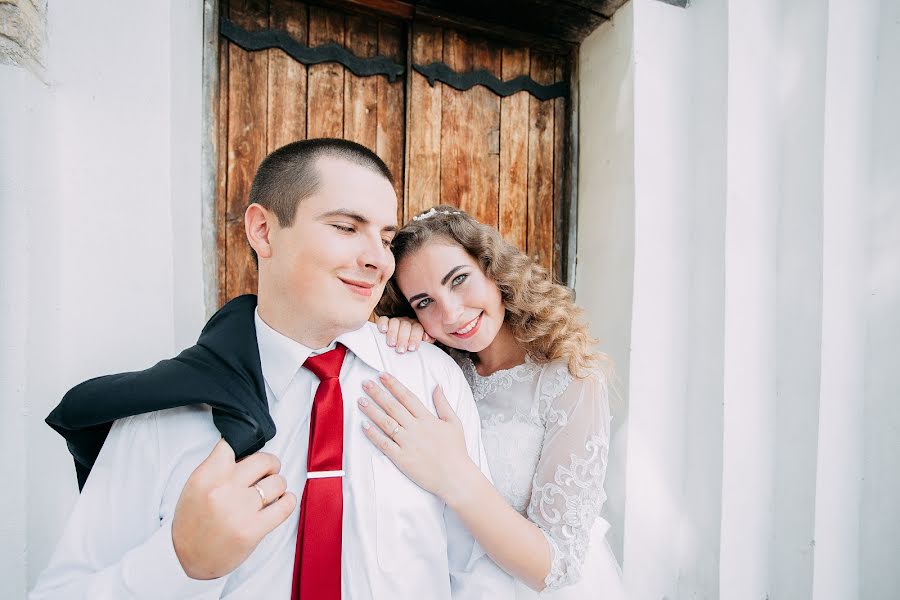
x=739, y=169
x=101, y=199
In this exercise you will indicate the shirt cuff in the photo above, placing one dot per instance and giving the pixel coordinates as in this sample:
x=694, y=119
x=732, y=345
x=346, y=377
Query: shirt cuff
x=152, y=570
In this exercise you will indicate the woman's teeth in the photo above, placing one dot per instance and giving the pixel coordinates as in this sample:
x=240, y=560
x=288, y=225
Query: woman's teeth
x=468, y=327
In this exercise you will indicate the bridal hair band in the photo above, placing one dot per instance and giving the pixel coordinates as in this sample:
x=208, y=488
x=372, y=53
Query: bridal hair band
x=433, y=212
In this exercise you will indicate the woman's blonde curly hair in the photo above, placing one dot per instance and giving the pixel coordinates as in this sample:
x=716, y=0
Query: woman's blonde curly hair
x=542, y=314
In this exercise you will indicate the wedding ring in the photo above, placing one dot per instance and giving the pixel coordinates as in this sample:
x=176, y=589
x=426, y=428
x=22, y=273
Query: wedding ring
x=262, y=494
x=394, y=432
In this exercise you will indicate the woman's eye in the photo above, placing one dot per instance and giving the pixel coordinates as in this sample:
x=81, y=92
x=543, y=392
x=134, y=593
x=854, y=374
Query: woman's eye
x=387, y=243
x=459, y=279
x=423, y=303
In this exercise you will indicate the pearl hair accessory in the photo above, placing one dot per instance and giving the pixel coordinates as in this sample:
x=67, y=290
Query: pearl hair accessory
x=433, y=212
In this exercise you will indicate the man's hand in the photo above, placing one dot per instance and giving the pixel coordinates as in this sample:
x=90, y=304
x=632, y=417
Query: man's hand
x=220, y=517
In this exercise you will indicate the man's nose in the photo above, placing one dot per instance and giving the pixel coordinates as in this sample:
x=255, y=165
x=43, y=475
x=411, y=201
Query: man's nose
x=376, y=257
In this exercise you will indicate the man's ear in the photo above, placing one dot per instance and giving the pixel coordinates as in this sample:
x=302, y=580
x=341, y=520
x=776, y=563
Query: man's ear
x=258, y=224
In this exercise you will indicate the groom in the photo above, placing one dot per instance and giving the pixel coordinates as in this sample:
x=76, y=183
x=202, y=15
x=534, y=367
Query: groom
x=319, y=513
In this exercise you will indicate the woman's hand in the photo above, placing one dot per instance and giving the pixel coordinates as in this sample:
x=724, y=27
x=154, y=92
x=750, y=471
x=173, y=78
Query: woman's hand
x=429, y=450
x=402, y=333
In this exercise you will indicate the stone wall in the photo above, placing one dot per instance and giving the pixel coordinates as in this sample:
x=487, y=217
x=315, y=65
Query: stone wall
x=23, y=25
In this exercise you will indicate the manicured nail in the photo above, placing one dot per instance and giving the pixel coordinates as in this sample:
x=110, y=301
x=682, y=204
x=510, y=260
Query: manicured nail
x=382, y=328
x=366, y=425
x=401, y=349
x=363, y=402
x=412, y=348
x=383, y=376
x=367, y=384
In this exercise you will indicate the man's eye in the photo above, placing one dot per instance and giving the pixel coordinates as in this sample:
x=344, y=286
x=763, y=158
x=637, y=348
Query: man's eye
x=423, y=303
x=344, y=228
x=459, y=279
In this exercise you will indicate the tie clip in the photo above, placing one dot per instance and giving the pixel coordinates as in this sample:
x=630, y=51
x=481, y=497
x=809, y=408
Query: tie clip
x=323, y=474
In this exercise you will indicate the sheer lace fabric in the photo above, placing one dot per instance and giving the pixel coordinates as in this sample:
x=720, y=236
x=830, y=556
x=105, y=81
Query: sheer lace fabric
x=546, y=436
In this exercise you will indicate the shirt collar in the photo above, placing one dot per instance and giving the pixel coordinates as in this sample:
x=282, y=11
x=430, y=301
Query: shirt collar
x=281, y=357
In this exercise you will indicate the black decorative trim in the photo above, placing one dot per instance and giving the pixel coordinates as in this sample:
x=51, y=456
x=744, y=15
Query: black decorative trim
x=437, y=71
x=275, y=38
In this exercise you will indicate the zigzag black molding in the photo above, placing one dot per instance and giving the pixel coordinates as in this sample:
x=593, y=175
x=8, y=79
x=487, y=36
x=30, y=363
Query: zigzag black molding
x=463, y=81
x=274, y=38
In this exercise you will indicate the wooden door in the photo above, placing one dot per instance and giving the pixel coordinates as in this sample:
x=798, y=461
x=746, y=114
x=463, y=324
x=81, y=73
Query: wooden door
x=499, y=158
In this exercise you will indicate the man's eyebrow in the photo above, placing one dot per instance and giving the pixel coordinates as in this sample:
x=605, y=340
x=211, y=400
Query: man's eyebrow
x=443, y=282
x=349, y=214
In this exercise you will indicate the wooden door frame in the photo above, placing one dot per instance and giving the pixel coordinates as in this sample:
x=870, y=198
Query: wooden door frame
x=565, y=224
x=209, y=155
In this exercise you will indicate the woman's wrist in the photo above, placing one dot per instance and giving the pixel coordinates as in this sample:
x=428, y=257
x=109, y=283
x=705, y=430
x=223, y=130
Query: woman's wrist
x=463, y=487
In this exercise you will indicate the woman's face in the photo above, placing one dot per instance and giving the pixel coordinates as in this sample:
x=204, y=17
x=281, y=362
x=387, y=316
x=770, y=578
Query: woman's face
x=455, y=302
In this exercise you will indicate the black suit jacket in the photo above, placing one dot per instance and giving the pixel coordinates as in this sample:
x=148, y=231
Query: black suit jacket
x=222, y=370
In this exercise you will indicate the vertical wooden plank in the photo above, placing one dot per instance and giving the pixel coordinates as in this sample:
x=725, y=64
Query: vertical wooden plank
x=222, y=167
x=247, y=96
x=424, y=129
x=540, y=165
x=484, y=153
x=361, y=93
x=286, y=114
x=391, y=110
x=514, y=115
x=457, y=128
x=560, y=204
x=325, y=101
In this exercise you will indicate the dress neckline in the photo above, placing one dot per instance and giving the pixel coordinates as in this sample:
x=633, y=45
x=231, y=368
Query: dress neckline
x=528, y=361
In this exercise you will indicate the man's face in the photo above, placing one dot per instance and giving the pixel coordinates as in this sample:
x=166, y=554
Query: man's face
x=332, y=264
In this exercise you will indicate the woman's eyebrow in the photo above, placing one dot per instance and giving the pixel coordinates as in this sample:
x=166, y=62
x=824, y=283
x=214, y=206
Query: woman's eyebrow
x=451, y=272
x=443, y=282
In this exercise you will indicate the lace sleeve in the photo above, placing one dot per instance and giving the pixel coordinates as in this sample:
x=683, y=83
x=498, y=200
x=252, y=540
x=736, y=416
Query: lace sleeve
x=567, y=492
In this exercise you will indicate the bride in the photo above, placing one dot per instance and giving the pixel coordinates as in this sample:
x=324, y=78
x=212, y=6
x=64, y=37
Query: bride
x=540, y=391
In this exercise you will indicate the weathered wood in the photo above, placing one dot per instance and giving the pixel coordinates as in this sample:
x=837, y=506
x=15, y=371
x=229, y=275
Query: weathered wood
x=287, y=77
x=484, y=154
x=247, y=92
x=457, y=128
x=325, y=100
x=424, y=114
x=222, y=169
x=391, y=112
x=361, y=93
x=540, y=166
x=540, y=18
x=514, y=115
x=559, y=160
x=501, y=31
x=389, y=8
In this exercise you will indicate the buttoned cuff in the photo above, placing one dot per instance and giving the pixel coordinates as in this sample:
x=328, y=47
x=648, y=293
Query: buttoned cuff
x=152, y=570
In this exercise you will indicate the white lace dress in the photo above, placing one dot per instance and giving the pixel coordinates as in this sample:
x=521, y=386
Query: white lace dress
x=546, y=436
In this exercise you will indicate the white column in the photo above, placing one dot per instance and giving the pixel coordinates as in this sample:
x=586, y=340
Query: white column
x=848, y=93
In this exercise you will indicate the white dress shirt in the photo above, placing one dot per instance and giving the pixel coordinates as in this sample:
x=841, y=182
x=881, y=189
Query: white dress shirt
x=399, y=541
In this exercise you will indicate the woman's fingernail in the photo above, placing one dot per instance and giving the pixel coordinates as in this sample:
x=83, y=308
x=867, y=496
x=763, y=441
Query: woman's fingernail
x=363, y=402
x=412, y=348
x=382, y=328
x=401, y=349
x=383, y=376
x=366, y=425
x=367, y=384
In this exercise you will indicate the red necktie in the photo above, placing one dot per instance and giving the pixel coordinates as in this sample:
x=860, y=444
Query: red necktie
x=317, y=564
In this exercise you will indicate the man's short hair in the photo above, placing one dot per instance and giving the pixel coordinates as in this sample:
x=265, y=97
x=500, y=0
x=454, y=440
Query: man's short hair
x=289, y=175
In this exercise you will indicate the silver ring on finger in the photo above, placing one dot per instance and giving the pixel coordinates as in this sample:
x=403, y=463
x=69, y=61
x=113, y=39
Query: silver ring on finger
x=395, y=430
x=262, y=494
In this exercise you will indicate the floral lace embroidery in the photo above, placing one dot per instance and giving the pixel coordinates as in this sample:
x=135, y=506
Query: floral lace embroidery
x=578, y=491
x=547, y=413
x=483, y=386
